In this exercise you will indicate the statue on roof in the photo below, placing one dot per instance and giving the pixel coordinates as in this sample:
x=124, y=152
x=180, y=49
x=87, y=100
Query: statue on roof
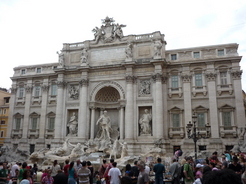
x=108, y=32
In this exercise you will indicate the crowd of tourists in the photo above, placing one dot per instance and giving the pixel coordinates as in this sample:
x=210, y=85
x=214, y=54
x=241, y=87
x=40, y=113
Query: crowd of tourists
x=222, y=169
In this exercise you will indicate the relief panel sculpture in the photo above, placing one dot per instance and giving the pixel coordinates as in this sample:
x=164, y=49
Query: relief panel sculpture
x=145, y=87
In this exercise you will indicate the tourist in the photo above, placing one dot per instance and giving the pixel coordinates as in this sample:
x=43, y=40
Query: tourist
x=128, y=168
x=77, y=166
x=60, y=178
x=72, y=174
x=188, y=172
x=27, y=175
x=134, y=172
x=107, y=170
x=224, y=176
x=84, y=174
x=198, y=173
x=55, y=168
x=103, y=168
x=147, y=169
x=89, y=166
x=159, y=169
x=44, y=174
x=143, y=177
x=13, y=169
x=4, y=174
x=39, y=175
x=174, y=170
x=15, y=179
x=126, y=179
x=235, y=166
x=48, y=179
x=23, y=168
x=65, y=169
x=224, y=162
x=114, y=174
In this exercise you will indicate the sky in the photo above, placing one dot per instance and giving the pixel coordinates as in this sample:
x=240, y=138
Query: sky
x=32, y=31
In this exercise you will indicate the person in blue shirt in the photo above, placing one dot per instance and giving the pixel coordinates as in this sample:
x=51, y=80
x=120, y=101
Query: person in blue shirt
x=159, y=169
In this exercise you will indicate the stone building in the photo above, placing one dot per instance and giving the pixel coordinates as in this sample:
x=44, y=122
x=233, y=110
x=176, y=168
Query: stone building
x=149, y=93
x=4, y=112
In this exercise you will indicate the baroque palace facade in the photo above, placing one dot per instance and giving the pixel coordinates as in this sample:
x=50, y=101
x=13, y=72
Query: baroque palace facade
x=129, y=76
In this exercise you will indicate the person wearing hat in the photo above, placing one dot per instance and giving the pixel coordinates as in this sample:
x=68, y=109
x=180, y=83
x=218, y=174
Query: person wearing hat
x=198, y=170
x=188, y=172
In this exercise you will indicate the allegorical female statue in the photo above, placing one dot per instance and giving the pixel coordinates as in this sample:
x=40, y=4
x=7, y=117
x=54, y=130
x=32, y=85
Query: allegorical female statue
x=73, y=125
x=144, y=122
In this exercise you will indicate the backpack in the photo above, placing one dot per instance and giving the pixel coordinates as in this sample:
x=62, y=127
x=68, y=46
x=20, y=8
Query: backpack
x=181, y=172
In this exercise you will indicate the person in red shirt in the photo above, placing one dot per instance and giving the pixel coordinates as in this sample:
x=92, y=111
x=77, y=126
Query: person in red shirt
x=66, y=167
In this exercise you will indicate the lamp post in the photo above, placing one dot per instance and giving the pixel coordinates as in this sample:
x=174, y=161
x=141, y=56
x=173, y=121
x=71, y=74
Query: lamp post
x=194, y=134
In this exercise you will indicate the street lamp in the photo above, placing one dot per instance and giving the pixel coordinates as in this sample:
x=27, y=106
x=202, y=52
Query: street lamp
x=193, y=134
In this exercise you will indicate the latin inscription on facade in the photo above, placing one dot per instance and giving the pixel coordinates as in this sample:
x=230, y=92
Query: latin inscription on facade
x=108, y=55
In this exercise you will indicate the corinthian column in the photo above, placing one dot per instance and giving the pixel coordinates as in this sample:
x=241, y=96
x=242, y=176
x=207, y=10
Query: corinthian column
x=92, y=122
x=83, y=125
x=28, y=91
x=213, y=106
x=59, y=122
x=129, y=125
x=186, y=78
x=158, y=123
x=45, y=89
x=240, y=111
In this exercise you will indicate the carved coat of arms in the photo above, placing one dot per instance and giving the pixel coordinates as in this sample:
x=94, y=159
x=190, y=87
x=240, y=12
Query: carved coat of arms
x=108, y=32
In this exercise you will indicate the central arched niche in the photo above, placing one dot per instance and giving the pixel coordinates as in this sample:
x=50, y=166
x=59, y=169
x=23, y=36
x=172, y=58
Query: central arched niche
x=107, y=98
x=107, y=94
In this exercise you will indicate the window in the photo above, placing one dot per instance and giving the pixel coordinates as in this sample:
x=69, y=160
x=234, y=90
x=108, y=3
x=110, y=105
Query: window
x=226, y=118
x=21, y=92
x=51, y=124
x=54, y=67
x=223, y=78
x=53, y=89
x=198, y=80
x=175, y=82
x=38, y=70
x=176, y=123
x=0, y=111
x=17, y=123
x=196, y=54
x=37, y=91
x=48, y=146
x=2, y=133
x=6, y=100
x=32, y=148
x=34, y=123
x=202, y=148
x=4, y=111
x=221, y=52
x=173, y=56
x=229, y=147
x=2, y=122
x=200, y=119
x=23, y=71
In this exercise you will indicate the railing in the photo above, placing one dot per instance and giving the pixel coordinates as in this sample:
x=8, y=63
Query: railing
x=177, y=132
x=228, y=131
x=144, y=36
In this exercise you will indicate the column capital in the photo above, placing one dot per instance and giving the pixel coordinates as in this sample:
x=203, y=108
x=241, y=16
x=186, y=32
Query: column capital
x=84, y=82
x=211, y=76
x=236, y=74
x=130, y=79
x=61, y=84
x=28, y=89
x=45, y=88
x=157, y=77
x=186, y=78
x=13, y=90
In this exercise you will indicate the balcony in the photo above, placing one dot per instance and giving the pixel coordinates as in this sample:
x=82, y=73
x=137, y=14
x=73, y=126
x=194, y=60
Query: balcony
x=176, y=132
x=16, y=133
x=20, y=100
x=228, y=131
x=36, y=99
x=33, y=133
x=224, y=88
x=49, y=133
x=52, y=99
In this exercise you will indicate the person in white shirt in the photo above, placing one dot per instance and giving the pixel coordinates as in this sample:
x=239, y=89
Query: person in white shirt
x=114, y=174
x=13, y=168
x=147, y=169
